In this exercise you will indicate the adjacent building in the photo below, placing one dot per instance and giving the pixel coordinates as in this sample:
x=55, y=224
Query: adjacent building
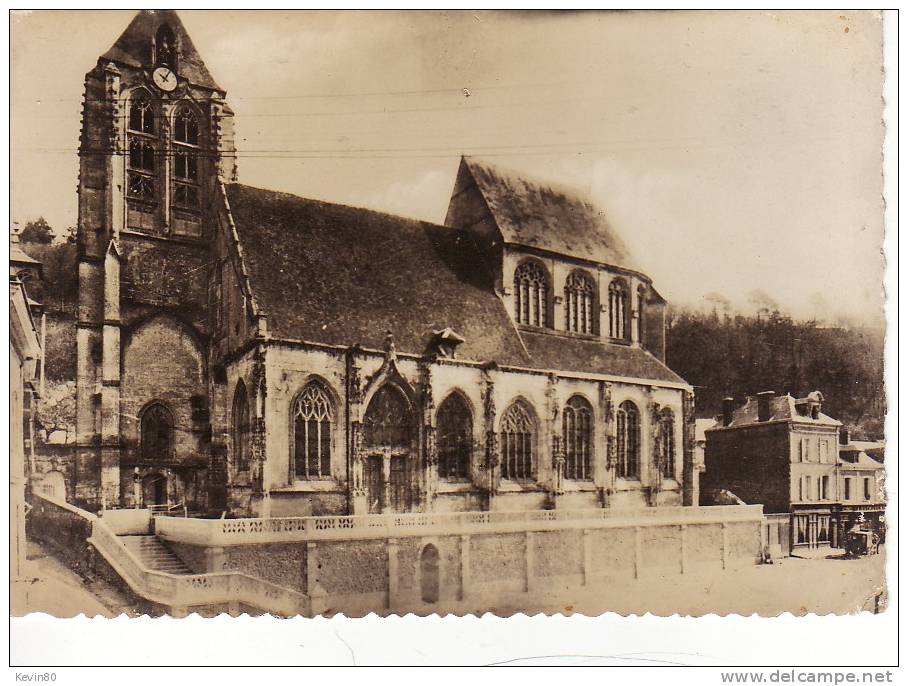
x=862, y=487
x=24, y=355
x=786, y=454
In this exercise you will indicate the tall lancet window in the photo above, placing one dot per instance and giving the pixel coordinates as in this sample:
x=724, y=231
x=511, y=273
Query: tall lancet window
x=617, y=310
x=578, y=439
x=156, y=434
x=165, y=45
x=313, y=416
x=454, y=438
x=531, y=293
x=185, y=159
x=142, y=141
x=667, y=443
x=579, y=301
x=241, y=450
x=518, y=442
x=628, y=426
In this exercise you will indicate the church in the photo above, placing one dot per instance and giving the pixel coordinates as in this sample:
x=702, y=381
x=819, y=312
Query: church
x=259, y=354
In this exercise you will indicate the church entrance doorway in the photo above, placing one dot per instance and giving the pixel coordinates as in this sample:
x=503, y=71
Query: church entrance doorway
x=154, y=490
x=374, y=484
x=390, y=439
x=400, y=483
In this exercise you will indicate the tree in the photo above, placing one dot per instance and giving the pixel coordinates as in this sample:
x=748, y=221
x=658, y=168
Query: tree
x=37, y=231
x=56, y=410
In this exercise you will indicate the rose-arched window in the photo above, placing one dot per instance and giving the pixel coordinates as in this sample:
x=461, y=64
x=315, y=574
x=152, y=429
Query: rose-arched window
x=388, y=421
x=185, y=158
x=577, y=420
x=518, y=442
x=454, y=432
x=579, y=302
x=628, y=444
x=142, y=142
x=156, y=440
x=617, y=309
x=531, y=293
x=241, y=449
x=313, y=417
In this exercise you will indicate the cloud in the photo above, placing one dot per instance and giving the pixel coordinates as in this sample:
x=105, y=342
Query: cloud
x=424, y=197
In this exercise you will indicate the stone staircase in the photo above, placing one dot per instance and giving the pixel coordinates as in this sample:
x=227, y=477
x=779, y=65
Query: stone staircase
x=154, y=554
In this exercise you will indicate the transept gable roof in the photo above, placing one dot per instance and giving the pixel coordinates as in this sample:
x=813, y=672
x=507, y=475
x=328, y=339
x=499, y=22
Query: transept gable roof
x=339, y=275
x=547, y=216
x=133, y=47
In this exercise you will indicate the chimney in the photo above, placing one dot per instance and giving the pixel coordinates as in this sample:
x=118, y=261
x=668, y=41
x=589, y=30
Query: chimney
x=844, y=436
x=763, y=405
x=728, y=410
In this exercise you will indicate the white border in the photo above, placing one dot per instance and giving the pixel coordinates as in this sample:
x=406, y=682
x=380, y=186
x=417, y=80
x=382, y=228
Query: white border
x=606, y=640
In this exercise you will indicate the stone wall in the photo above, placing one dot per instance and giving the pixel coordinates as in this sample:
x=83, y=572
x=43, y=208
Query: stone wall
x=359, y=572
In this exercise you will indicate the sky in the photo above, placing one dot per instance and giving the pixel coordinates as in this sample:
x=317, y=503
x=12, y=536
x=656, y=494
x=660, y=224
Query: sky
x=735, y=152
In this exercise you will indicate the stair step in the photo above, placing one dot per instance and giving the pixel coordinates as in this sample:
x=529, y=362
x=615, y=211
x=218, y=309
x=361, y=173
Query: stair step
x=154, y=554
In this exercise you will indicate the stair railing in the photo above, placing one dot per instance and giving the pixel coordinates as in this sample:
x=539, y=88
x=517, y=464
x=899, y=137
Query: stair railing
x=185, y=590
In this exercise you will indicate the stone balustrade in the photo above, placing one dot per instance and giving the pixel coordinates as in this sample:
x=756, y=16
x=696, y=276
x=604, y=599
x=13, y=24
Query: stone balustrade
x=227, y=532
x=178, y=592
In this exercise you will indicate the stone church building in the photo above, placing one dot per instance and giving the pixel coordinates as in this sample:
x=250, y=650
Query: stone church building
x=255, y=352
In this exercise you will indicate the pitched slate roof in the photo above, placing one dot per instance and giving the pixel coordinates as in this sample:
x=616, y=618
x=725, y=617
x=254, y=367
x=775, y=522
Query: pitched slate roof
x=341, y=275
x=852, y=456
x=547, y=216
x=133, y=47
x=549, y=351
x=782, y=407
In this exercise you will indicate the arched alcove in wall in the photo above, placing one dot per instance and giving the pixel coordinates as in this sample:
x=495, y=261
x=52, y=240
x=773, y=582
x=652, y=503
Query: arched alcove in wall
x=162, y=362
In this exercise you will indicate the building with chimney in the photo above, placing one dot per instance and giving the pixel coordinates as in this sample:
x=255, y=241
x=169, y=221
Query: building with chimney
x=862, y=485
x=258, y=353
x=25, y=355
x=785, y=453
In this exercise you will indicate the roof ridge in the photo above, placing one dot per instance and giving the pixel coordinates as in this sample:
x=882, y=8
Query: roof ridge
x=332, y=203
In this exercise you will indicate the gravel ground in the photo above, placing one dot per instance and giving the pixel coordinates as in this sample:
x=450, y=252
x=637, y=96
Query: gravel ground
x=824, y=584
x=50, y=586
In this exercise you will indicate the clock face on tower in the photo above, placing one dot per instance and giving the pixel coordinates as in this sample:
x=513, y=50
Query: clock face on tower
x=164, y=79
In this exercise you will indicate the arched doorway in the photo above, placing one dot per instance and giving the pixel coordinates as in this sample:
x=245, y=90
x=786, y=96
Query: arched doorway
x=388, y=438
x=428, y=574
x=154, y=490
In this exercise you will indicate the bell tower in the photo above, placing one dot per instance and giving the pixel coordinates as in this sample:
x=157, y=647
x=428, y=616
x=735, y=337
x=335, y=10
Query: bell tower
x=157, y=135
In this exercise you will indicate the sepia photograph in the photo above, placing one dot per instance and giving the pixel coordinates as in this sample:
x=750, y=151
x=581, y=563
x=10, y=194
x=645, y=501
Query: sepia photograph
x=447, y=312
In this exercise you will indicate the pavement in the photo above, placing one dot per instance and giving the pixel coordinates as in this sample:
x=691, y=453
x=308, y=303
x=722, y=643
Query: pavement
x=827, y=584
x=48, y=585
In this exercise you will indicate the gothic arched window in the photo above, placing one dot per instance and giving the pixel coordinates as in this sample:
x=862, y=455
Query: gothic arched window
x=628, y=426
x=165, y=43
x=156, y=441
x=518, y=442
x=454, y=433
x=185, y=158
x=241, y=450
x=641, y=304
x=667, y=443
x=531, y=293
x=142, y=149
x=577, y=419
x=617, y=310
x=387, y=421
x=313, y=415
x=579, y=303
